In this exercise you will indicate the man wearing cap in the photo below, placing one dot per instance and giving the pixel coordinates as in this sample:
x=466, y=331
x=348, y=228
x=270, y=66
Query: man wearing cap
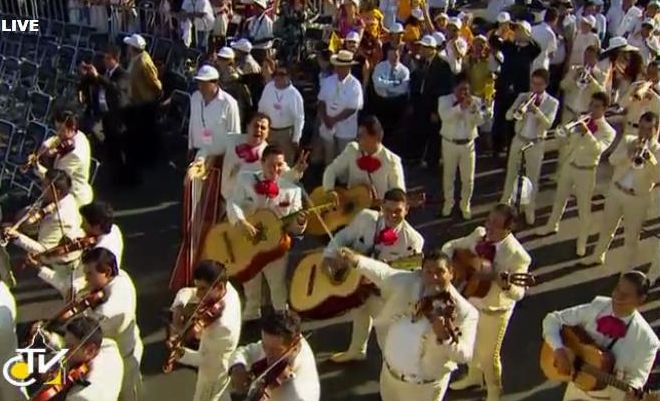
x=360, y=69
x=456, y=47
x=502, y=30
x=340, y=99
x=585, y=37
x=230, y=82
x=395, y=39
x=260, y=30
x=145, y=90
x=283, y=103
x=533, y=112
x=592, y=8
x=245, y=63
x=199, y=16
x=646, y=41
x=431, y=80
x=391, y=81
x=544, y=35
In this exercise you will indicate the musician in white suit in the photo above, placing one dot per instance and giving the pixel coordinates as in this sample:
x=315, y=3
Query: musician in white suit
x=636, y=170
x=539, y=111
x=461, y=115
x=366, y=162
x=615, y=324
x=419, y=354
x=98, y=221
x=577, y=173
x=73, y=156
x=495, y=243
x=218, y=340
x=266, y=189
x=281, y=339
x=640, y=98
x=8, y=342
x=383, y=236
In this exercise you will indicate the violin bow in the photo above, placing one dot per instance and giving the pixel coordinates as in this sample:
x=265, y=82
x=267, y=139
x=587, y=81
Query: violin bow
x=282, y=357
x=72, y=290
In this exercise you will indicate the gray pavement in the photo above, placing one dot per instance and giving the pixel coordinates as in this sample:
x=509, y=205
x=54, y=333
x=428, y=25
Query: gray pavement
x=150, y=217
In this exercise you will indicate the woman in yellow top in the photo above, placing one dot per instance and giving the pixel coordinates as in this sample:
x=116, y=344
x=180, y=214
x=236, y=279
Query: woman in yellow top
x=479, y=69
x=373, y=20
x=406, y=8
x=413, y=29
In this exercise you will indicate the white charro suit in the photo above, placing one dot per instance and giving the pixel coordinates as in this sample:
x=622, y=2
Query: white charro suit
x=77, y=165
x=244, y=202
x=459, y=129
x=636, y=108
x=577, y=174
x=303, y=386
x=344, y=167
x=216, y=347
x=532, y=129
x=496, y=308
x=634, y=354
x=104, y=377
x=576, y=99
x=8, y=342
x=629, y=196
x=360, y=235
x=431, y=361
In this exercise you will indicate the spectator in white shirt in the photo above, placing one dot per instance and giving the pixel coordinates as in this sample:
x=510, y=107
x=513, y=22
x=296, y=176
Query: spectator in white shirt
x=283, y=103
x=584, y=38
x=260, y=30
x=645, y=41
x=594, y=8
x=544, y=35
x=391, y=81
x=340, y=99
x=200, y=16
x=622, y=19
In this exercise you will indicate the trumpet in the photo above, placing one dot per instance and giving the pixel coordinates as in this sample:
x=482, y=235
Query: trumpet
x=641, y=155
x=566, y=129
x=642, y=90
x=585, y=77
x=519, y=113
x=33, y=158
x=34, y=215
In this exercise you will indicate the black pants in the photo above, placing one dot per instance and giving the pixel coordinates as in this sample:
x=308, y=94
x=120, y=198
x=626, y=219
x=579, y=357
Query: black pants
x=422, y=139
x=502, y=129
x=390, y=113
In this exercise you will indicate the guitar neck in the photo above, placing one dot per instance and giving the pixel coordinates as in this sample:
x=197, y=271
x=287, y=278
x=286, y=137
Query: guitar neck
x=312, y=209
x=607, y=378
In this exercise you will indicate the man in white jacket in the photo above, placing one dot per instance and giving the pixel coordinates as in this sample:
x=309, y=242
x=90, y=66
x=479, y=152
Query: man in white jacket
x=8, y=341
x=420, y=349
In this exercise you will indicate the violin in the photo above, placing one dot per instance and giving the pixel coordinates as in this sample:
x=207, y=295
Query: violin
x=269, y=376
x=66, y=246
x=73, y=376
x=33, y=216
x=205, y=315
x=53, y=148
x=440, y=305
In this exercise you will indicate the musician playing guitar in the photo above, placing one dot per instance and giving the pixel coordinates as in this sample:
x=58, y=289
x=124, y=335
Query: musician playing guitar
x=615, y=325
x=217, y=340
x=384, y=236
x=286, y=357
x=496, y=245
x=367, y=162
x=266, y=189
x=428, y=326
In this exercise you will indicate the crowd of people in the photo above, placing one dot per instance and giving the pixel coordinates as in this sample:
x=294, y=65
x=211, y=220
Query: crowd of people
x=397, y=85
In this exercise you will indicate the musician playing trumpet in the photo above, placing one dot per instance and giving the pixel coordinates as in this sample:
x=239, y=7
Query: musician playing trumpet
x=615, y=324
x=641, y=97
x=534, y=113
x=587, y=140
x=496, y=244
x=421, y=345
x=636, y=170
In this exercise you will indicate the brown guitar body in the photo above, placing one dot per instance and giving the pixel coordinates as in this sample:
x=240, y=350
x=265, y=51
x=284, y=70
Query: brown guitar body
x=583, y=351
x=467, y=268
x=350, y=203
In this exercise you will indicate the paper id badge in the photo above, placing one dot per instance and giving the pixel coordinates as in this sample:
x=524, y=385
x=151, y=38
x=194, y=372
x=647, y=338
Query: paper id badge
x=207, y=137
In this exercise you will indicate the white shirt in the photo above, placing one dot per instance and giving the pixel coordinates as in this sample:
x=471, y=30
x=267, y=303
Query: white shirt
x=546, y=38
x=404, y=334
x=8, y=341
x=105, y=376
x=209, y=122
x=206, y=22
x=620, y=23
x=339, y=96
x=459, y=123
x=114, y=242
x=580, y=44
x=391, y=81
x=285, y=108
x=647, y=47
x=259, y=28
x=103, y=103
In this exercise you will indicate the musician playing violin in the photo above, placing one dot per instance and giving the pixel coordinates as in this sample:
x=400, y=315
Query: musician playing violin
x=100, y=354
x=384, y=236
x=496, y=245
x=218, y=338
x=289, y=360
x=98, y=222
x=615, y=324
x=428, y=326
x=72, y=155
x=267, y=189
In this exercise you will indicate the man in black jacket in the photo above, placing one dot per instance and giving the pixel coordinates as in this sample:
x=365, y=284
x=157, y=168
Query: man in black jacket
x=433, y=78
x=108, y=97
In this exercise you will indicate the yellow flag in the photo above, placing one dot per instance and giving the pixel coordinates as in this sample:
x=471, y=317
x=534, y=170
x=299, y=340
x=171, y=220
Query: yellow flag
x=335, y=42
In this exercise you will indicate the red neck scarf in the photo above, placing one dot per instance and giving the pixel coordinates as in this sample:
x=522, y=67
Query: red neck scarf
x=267, y=188
x=248, y=153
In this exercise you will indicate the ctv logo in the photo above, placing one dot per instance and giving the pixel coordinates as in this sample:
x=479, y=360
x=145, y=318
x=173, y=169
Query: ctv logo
x=19, y=25
x=19, y=371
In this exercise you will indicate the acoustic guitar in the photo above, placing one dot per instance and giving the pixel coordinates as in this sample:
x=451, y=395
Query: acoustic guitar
x=476, y=274
x=593, y=364
x=318, y=294
x=245, y=257
x=349, y=203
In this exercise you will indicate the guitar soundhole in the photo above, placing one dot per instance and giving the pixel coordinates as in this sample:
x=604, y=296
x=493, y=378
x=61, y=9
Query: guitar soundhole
x=349, y=207
x=262, y=234
x=312, y=280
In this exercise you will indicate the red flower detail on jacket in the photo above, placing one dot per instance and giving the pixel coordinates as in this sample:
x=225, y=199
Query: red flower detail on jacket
x=611, y=326
x=387, y=236
x=368, y=163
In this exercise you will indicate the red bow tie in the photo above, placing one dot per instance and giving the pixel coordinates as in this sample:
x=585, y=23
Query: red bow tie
x=387, y=236
x=247, y=153
x=538, y=100
x=486, y=250
x=267, y=188
x=368, y=163
x=592, y=126
x=611, y=326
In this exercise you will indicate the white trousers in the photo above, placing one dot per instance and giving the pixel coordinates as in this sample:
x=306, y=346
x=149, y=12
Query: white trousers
x=131, y=386
x=275, y=275
x=609, y=394
x=582, y=183
x=533, y=162
x=212, y=389
x=461, y=157
x=392, y=389
x=362, y=324
x=633, y=209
